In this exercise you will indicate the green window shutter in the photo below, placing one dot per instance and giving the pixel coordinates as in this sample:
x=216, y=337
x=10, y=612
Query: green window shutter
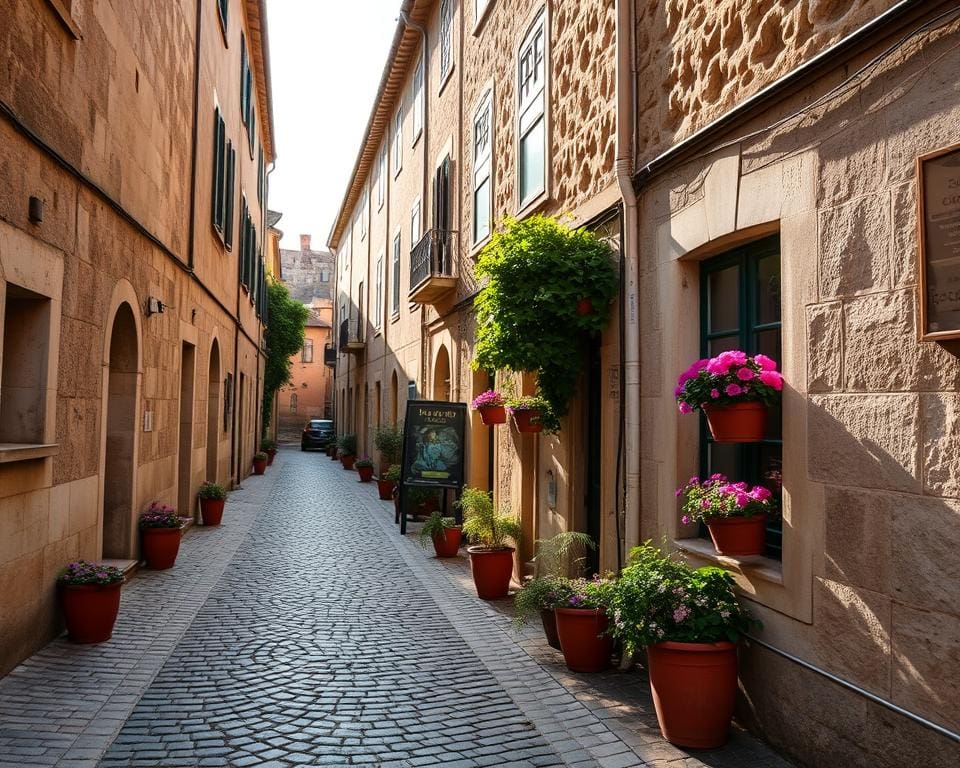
x=243, y=239
x=252, y=131
x=217, y=166
x=231, y=169
x=243, y=79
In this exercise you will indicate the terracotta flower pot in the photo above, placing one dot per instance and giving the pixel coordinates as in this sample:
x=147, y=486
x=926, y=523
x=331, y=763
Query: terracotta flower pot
x=694, y=688
x=160, y=547
x=212, y=511
x=259, y=466
x=366, y=474
x=737, y=423
x=271, y=455
x=385, y=489
x=492, y=569
x=738, y=535
x=493, y=414
x=90, y=610
x=584, y=307
x=549, y=619
x=333, y=454
x=528, y=420
x=585, y=646
x=448, y=545
x=347, y=460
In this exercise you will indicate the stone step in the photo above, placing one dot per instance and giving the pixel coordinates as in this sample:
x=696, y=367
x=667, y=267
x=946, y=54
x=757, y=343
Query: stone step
x=129, y=567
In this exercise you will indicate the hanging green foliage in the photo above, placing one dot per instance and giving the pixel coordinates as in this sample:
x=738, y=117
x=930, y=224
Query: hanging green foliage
x=547, y=288
x=286, y=319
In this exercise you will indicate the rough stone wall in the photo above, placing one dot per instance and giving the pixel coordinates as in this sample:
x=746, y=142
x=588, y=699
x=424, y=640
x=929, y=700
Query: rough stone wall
x=698, y=59
x=301, y=274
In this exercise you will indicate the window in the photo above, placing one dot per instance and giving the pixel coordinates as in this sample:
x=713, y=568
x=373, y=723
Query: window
x=532, y=114
x=417, y=107
x=479, y=7
x=740, y=309
x=23, y=377
x=363, y=214
x=381, y=177
x=293, y=402
x=415, y=226
x=306, y=354
x=398, y=142
x=482, y=164
x=223, y=7
x=261, y=177
x=378, y=307
x=224, y=171
x=244, y=81
x=248, y=252
x=324, y=275
x=395, y=304
x=446, y=38
x=252, y=131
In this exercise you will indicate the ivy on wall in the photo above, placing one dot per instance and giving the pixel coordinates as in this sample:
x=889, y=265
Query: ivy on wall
x=286, y=319
x=547, y=288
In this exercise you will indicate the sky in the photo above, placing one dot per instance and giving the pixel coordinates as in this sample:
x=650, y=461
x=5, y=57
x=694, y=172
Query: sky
x=326, y=59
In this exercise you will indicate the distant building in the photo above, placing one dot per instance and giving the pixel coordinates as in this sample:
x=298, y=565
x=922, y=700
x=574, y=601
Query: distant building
x=309, y=393
x=307, y=273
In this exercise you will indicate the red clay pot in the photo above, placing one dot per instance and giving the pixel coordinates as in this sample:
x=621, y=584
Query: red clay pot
x=333, y=454
x=347, y=460
x=525, y=420
x=493, y=414
x=492, y=569
x=549, y=619
x=738, y=535
x=737, y=423
x=694, y=687
x=585, y=646
x=449, y=544
x=160, y=547
x=90, y=610
x=385, y=489
x=366, y=474
x=271, y=454
x=212, y=511
x=259, y=466
x=584, y=307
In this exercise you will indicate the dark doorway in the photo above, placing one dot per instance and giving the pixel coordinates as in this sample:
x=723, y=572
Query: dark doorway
x=184, y=464
x=592, y=480
x=213, y=412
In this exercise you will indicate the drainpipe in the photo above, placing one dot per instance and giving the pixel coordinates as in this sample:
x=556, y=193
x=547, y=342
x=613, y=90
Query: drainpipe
x=626, y=121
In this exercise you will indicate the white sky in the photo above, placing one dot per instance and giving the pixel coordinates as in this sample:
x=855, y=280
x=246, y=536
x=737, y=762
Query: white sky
x=326, y=59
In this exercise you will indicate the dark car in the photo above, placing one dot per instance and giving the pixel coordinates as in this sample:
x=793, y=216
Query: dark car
x=318, y=433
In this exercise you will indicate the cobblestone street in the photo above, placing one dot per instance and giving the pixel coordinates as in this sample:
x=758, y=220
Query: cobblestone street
x=307, y=631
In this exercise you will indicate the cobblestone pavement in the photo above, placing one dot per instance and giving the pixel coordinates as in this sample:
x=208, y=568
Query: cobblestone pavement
x=306, y=631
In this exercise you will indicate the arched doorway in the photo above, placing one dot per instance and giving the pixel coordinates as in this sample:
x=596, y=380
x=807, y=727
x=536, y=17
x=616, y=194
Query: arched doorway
x=185, y=497
x=121, y=425
x=394, y=397
x=213, y=412
x=441, y=375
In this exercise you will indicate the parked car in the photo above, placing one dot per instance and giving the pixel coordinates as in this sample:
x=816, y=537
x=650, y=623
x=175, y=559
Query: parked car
x=318, y=433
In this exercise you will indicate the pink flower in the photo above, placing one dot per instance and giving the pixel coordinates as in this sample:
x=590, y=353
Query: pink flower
x=766, y=363
x=742, y=499
x=685, y=520
x=695, y=480
x=745, y=374
x=714, y=393
x=705, y=504
x=681, y=613
x=718, y=367
x=684, y=408
x=759, y=493
x=678, y=492
x=772, y=379
x=677, y=390
x=733, y=390
x=718, y=476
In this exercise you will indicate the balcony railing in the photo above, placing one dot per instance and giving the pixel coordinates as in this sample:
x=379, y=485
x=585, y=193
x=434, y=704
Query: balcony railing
x=431, y=267
x=330, y=355
x=351, y=336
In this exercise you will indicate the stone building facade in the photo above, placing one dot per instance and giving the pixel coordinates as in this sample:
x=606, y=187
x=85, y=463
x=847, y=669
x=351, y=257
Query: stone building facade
x=309, y=393
x=134, y=145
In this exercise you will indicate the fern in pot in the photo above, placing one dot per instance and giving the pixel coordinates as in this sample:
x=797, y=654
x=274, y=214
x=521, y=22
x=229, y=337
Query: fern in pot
x=443, y=532
x=491, y=557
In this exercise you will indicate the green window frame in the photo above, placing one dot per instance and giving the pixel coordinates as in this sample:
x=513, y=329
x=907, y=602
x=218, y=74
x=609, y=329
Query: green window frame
x=244, y=80
x=224, y=176
x=740, y=308
x=223, y=9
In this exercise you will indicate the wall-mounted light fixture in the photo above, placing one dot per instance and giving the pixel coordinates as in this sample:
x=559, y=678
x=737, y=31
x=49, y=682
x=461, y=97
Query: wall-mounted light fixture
x=35, y=210
x=155, y=306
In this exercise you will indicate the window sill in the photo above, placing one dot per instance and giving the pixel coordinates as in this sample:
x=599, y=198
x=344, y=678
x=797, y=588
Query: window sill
x=416, y=138
x=763, y=568
x=532, y=205
x=10, y=452
x=64, y=17
x=394, y=318
x=479, y=23
x=478, y=246
x=445, y=78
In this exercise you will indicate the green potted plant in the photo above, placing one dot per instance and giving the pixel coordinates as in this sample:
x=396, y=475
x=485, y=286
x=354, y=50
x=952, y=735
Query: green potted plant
x=259, y=463
x=491, y=558
x=388, y=481
x=388, y=440
x=160, y=533
x=553, y=560
x=212, y=499
x=491, y=407
x=347, y=450
x=690, y=622
x=365, y=468
x=90, y=600
x=443, y=532
x=530, y=412
x=734, y=513
x=269, y=447
x=734, y=391
x=582, y=624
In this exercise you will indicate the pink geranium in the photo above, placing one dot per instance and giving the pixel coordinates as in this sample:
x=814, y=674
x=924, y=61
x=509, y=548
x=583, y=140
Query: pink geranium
x=730, y=377
x=718, y=497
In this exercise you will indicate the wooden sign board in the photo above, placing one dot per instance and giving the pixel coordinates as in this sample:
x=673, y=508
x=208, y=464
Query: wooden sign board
x=939, y=254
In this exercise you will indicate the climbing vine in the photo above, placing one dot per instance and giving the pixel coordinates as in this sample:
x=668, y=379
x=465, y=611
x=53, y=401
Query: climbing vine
x=547, y=287
x=284, y=337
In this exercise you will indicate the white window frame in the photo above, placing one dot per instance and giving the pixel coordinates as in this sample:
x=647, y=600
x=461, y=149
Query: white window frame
x=531, y=103
x=378, y=309
x=480, y=8
x=416, y=223
x=395, y=269
x=446, y=40
x=382, y=177
x=482, y=164
x=417, y=101
x=398, y=142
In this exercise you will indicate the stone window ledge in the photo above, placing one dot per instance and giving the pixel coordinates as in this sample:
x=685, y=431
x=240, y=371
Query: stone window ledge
x=753, y=567
x=27, y=451
x=62, y=11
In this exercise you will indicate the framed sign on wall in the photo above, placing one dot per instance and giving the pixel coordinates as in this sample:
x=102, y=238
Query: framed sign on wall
x=938, y=219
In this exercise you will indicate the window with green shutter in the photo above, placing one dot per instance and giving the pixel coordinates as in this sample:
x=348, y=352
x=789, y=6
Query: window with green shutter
x=740, y=309
x=223, y=7
x=228, y=216
x=219, y=170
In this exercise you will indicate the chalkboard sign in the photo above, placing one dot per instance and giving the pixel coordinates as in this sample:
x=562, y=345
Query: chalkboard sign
x=433, y=448
x=939, y=262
